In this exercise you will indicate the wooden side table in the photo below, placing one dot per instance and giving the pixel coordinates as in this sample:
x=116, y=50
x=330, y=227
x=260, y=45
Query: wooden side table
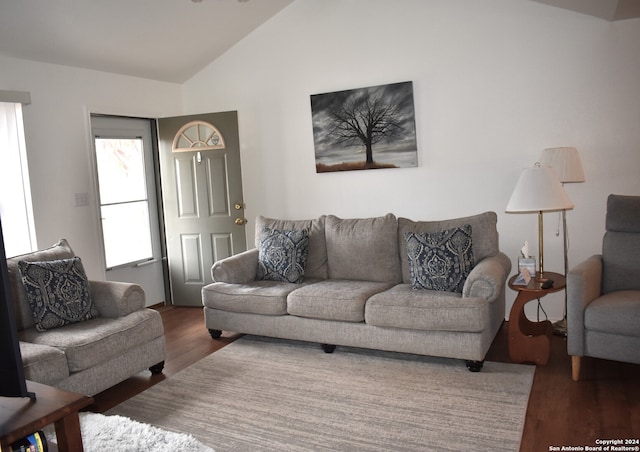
x=531, y=341
x=20, y=417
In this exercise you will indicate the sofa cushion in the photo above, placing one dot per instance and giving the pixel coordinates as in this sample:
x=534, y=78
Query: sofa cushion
x=616, y=313
x=24, y=319
x=58, y=292
x=484, y=235
x=92, y=342
x=440, y=260
x=44, y=364
x=364, y=249
x=317, y=253
x=333, y=299
x=255, y=297
x=403, y=307
x=282, y=255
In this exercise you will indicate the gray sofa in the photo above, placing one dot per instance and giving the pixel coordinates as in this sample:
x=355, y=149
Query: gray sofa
x=358, y=286
x=92, y=355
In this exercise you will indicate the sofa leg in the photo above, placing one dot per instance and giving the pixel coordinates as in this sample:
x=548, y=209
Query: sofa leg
x=474, y=366
x=575, y=367
x=328, y=348
x=156, y=369
x=215, y=334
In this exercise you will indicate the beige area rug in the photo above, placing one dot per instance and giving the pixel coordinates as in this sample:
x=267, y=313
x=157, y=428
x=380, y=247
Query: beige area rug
x=261, y=394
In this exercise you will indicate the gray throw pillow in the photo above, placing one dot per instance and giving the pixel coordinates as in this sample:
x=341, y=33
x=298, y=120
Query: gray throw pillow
x=58, y=292
x=282, y=255
x=440, y=260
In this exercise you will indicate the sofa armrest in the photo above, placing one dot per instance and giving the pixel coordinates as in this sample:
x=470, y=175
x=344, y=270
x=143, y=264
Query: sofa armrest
x=237, y=269
x=117, y=299
x=584, y=284
x=488, y=277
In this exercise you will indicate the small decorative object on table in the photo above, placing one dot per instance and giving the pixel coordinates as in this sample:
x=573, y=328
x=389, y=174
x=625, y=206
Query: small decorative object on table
x=526, y=266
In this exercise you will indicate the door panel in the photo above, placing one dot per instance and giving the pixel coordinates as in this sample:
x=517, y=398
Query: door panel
x=202, y=198
x=216, y=178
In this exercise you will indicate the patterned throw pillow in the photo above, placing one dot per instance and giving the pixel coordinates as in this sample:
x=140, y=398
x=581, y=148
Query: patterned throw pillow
x=440, y=260
x=282, y=255
x=58, y=292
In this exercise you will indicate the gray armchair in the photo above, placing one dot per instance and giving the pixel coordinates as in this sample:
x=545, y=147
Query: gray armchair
x=603, y=292
x=81, y=353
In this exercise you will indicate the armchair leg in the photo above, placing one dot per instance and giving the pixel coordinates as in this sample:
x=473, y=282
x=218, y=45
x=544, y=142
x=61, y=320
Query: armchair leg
x=575, y=367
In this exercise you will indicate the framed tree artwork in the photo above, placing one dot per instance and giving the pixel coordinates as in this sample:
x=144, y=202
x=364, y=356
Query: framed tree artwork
x=365, y=128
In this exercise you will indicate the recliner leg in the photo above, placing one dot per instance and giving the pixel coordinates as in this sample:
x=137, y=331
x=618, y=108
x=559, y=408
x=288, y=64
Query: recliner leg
x=575, y=367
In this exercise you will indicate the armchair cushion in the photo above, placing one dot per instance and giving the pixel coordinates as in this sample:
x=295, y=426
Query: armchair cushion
x=621, y=244
x=88, y=344
x=616, y=313
x=621, y=266
x=44, y=364
x=58, y=292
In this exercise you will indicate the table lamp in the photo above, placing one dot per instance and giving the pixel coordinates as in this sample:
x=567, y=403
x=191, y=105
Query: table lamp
x=565, y=161
x=539, y=190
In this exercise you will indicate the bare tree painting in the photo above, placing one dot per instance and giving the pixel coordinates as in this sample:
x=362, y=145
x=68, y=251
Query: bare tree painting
x=365, y=128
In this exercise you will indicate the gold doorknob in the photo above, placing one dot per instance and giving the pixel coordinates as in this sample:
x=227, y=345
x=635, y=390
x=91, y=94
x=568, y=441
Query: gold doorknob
x=240, y=221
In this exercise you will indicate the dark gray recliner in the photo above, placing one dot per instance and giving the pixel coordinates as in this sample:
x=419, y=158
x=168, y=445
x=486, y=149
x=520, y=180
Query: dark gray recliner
x=603, y=292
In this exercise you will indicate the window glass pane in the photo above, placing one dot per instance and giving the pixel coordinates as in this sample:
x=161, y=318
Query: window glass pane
x=125, y=228
x=15, y=192
x=120, y=170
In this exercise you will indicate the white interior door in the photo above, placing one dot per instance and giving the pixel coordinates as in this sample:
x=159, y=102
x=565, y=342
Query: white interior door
x=128, y=206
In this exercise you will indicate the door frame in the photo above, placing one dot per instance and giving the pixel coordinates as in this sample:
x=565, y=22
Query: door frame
x=157, y=188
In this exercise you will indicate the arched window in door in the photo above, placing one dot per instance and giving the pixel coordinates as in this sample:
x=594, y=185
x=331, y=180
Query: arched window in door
x=197, y=136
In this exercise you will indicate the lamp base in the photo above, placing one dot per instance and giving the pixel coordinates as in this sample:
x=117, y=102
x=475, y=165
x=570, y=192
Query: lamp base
x=541, y=277
x=560, y=328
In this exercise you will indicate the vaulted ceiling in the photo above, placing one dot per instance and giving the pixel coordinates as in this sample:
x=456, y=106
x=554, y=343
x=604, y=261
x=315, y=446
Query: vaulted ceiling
x=168, y=40
x=604, y=9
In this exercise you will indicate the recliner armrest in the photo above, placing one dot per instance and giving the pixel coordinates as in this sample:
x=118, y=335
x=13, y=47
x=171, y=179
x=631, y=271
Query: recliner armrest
x=117, y=299
x=237, y=269
x=488, y=277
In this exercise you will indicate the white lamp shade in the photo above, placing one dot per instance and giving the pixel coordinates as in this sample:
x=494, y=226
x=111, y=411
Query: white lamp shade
x=565, y=162
x=538, y=190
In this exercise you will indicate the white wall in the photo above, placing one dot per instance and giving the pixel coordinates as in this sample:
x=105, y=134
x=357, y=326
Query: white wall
x=495, y=82
x=58, y=140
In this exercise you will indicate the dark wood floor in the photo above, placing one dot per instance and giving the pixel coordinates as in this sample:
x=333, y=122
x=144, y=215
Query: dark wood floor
x=604, y=404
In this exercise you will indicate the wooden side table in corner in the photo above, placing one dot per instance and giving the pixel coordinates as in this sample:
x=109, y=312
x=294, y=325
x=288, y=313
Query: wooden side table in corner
x=21, y=417
x=531, y=341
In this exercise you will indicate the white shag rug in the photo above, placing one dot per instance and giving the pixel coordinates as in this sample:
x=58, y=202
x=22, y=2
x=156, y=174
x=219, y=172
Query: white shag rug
x=102, y=433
